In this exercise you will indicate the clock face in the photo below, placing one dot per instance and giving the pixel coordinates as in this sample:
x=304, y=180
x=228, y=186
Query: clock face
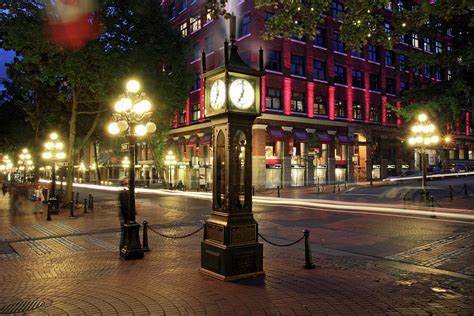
x=217, y=94
x=242, y=94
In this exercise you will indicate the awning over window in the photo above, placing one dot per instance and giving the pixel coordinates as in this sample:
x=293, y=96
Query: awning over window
x=300, y=135
x=193, y=140
x=276, y=133
x=344, y=139
x=324, y=138
x=206, y=139
x=180, y=141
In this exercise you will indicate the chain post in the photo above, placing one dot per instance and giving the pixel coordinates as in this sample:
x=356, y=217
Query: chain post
x=308, y=259
x=77, y=198
x=48, y=217
x=278, y=191
x=85, y=206
x=71, y=209
x=466, y=193
x=451, y=192
x=334, y=188
x=145, y=237
x=90, y=201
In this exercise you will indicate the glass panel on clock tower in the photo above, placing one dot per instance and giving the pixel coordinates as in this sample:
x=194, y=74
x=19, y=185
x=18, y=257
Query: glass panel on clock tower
x=240, y=142
x=220, y=170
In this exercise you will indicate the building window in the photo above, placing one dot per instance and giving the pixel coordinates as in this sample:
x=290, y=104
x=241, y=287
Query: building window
x=195, y=112
x=426, y=71
x=357, y=111
x=389, y=58
x=320, y=38
x=338, y=44
x=197, y=81
x=183, y=28
x=357, y=78
x=403, y=86
x=449, y=31
x=337, y=10
x=340, y=108
x=339, y=74
x=373, y=53
x=374, y=113
x=390, y=85
x=427, y=45
x=391, y=117
x=438, y=73
x=357, y=53
x=274, y=60
x=209, y=44
x=387, y=27
x=208, y=16
x=182, y=117
x=171, y=11
x=403, y=62
x=297, y=65
x=320, y=105
x=374, y=82
x=195, y=23
x=245, y=25
x=181, y=5
x=319, y=69
x=449, y=48
x=298, y=102
x=195, y=51
x=414, y=40
x=438, y=47
x=448, y=74
x=272, y=99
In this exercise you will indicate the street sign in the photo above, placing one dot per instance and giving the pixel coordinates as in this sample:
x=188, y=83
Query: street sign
x=124, y=147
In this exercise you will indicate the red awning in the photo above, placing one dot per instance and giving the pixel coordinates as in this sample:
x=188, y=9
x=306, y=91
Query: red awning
x=344, y=139
x=206, y=139
x=324, y=138
x=300, y=135
x=276, y=133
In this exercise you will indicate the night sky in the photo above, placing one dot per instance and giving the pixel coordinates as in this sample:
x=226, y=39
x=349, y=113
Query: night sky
x=4, y=58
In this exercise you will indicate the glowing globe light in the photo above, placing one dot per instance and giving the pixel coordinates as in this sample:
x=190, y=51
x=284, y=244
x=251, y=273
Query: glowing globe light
x=60, y=155
x=122, y=125
x=435, y=139
x=150, y=127
x=140, y=130
x=59, y=146
x=49, y=145
x=47, y=155
x=142, y=107
x=53, y=136
x=427, y=141
x=133, y=86
x=419, y=139
x=422, y=117
x=123, y=105
x=113, y=128
x=412, y=140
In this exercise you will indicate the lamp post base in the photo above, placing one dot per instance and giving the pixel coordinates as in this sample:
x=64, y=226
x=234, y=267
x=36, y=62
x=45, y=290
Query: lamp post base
x=132, y=248
x=53, y=205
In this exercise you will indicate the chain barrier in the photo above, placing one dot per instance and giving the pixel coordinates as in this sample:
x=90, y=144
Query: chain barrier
x=279, y=245
x=176, y=237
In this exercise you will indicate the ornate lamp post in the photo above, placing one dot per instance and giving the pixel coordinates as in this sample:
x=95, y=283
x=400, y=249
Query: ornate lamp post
x=423, y=136
x=170, y=162
x=25, y=162
x=53, y=151
x=7, y=166
x=125, y=165
x=132, y=115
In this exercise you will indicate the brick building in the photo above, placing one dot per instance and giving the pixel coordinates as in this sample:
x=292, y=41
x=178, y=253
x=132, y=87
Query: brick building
x=325, y=110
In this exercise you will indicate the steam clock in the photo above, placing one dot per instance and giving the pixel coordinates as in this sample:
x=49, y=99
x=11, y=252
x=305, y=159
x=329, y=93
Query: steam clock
x=230, y=249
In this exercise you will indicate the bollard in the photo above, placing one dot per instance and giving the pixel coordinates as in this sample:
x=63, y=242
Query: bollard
x=90, y=201
x=48, y=217
x=466, y=193
x=334, y=188
x=77, y=198
x=91, y=204
x=278, y=191
x=451, y=192
x=71, y=208
x=319, y=189
x=431, y=201
x=308, y=259
x=85, y=206
x=145, y=237
x=253, y=190
x=338, y=188
x=345, y=184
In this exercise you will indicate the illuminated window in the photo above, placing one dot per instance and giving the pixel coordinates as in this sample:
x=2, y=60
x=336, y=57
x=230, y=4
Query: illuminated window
x=273, y=99
x=183, y=28
x=298, y=103
x=195, y=112
x=374, y=115
x=195, y=23
x=357, y=111
x=320, y=105
x=340, y=108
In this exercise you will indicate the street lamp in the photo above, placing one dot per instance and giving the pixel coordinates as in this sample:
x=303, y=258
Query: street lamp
x=170, y=161
x=25, y=162
x=423, y=135
x=132, y=116
x=53, y=151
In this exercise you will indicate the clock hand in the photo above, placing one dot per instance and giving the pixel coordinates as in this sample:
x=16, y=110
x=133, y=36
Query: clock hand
x=242, y=93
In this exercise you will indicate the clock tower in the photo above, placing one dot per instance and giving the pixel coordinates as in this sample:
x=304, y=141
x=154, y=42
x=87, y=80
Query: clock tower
x=230, y=249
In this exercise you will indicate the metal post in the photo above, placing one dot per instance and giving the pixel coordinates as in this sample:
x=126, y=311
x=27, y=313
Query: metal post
x=253, y=190
x=91, y=206
x=71, y=208
x=334, y=188
x=338, y=188
x=466, y=193
x=423, y=170
x=48, y=217
x=451, y=192
x=77, y=198
x=90, y=201
x=85, y=206
x=278, y=191
x=308, y=259
x=145, y=236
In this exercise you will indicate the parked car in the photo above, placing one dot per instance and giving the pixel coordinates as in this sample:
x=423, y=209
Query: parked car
x=433, y=170
x=457, y=167
x=404, y=174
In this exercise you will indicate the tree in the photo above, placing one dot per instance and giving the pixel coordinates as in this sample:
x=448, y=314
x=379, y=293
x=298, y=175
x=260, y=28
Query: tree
x=367, y=22
x=138, y=38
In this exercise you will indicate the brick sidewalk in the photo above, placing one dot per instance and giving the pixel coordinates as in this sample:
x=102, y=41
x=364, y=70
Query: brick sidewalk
x=83, y=274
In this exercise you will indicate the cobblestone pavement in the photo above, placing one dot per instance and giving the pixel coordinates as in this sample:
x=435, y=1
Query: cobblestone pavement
x=71, y=266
